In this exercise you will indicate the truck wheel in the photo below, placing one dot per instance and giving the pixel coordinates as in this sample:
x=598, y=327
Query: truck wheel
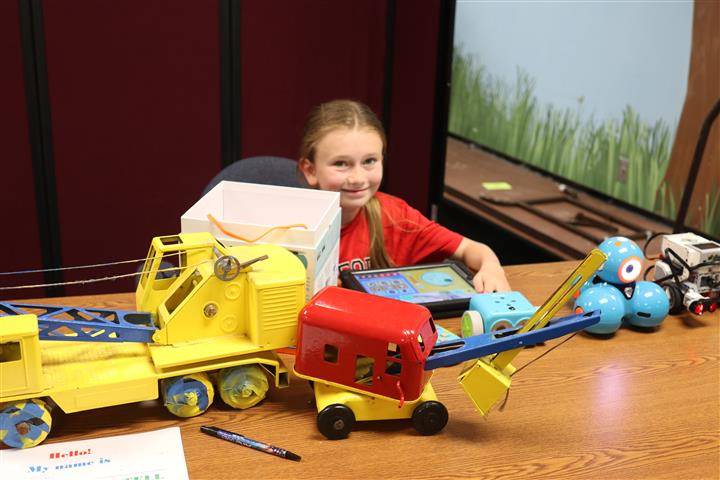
x=471, y=324
x=675, y=297
x=188, y=395
x=335, y=421
x=430, y=417
x=25, y=424
x=243, y=386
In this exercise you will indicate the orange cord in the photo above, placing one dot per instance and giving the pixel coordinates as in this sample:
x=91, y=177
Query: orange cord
x=248, y=240
x=402, y=394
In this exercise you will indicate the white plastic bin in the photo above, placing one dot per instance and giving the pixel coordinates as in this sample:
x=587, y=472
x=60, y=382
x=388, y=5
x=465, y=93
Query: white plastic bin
x=249, y=210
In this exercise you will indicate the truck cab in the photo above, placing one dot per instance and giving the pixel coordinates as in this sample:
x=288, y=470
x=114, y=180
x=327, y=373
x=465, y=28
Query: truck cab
x=20, y=363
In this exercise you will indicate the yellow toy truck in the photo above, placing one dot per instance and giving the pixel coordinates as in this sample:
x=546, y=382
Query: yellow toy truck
x=215, y=315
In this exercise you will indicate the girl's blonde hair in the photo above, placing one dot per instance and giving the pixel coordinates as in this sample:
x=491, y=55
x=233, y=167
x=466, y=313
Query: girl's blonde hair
x=350, y=114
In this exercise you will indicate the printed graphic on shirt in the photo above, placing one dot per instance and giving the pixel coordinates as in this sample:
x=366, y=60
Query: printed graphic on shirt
x=355, y=264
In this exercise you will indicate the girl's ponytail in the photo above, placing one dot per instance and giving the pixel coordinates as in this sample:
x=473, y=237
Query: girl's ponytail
x=379, y=257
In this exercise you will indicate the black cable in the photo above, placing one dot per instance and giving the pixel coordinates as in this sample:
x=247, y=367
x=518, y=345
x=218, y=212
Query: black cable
x=507, y=393
x=650, y=239
x=647, y=270
x=674, y=269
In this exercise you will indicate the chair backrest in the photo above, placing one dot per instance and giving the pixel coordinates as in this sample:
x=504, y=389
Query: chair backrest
x=265, y=170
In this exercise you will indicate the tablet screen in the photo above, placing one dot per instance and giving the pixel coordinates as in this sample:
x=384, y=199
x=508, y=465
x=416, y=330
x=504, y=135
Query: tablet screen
x=417, y=285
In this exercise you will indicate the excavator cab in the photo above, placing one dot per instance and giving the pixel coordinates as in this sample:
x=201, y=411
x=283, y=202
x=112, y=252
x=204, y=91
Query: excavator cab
x=167, y=260
x=249, y=291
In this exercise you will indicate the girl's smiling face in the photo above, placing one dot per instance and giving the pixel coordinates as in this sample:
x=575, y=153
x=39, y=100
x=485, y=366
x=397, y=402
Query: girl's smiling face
x=348, y=161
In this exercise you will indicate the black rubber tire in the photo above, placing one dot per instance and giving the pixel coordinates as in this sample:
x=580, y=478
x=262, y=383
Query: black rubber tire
x=430, y=417
x=335, y=421
x=675, y=296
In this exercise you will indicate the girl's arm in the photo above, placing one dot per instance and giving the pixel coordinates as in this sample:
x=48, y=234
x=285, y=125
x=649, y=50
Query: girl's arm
x=490, y=276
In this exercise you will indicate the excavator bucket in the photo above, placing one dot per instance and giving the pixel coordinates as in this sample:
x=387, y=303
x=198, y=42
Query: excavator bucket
x=484, y=384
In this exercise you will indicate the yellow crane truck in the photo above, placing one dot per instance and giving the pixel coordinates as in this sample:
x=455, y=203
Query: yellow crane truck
x=206, y=314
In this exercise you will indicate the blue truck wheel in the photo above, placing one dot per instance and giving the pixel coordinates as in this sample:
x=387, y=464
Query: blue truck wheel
x=187, y=395
x=25, y=424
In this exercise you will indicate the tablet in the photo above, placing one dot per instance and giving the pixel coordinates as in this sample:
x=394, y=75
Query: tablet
x=444, y=288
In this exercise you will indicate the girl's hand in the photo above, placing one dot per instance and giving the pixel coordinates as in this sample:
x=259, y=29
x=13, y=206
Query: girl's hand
x=491, y=279
x=490, y=276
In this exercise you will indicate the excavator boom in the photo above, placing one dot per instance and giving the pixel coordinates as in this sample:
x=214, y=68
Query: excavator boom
x=471, y=348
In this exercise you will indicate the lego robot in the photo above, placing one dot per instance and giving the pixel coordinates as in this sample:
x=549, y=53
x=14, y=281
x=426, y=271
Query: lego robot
x=689, y=272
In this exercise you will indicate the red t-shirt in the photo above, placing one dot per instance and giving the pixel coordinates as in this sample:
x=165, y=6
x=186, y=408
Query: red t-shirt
x=410, y=238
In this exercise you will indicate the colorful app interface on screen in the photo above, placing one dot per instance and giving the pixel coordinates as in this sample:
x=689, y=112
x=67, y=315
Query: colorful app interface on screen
x=421, y=285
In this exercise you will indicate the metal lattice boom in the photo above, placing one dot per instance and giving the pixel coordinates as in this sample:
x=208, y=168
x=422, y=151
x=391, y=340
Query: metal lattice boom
x=85, y=324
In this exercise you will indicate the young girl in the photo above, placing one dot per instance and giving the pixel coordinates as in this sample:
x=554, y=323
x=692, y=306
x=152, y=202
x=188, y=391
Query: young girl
x=342, y=150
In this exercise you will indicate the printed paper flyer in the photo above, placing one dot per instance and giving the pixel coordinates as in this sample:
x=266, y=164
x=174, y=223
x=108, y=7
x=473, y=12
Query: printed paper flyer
x=154, y=455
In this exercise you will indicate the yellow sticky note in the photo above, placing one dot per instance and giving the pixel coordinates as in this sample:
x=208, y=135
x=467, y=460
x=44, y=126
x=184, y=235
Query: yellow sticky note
x=497, y=186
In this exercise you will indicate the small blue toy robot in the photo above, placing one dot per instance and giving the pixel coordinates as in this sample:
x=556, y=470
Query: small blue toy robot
x=490, y=312
x=617, y=295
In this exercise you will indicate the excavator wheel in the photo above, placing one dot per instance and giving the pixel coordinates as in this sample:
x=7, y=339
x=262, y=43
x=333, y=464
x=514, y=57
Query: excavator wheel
x=335, y=421
x=430, y=417
x=243, y=386
x=25, y=424
x=188, y=395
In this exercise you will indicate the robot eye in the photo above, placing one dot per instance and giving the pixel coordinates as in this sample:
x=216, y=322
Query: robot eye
x=629, y=269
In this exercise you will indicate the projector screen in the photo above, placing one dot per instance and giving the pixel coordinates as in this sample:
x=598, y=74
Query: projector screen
x=591, y=92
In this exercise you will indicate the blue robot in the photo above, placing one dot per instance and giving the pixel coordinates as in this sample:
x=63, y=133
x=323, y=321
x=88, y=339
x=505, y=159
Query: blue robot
x=616, y=293
x=490, y=312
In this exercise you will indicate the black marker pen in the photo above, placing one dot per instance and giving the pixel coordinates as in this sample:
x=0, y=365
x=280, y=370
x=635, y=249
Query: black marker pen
x=249, y=442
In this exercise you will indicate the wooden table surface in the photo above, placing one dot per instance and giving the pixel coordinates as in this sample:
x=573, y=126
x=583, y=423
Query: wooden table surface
x=638, y=405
